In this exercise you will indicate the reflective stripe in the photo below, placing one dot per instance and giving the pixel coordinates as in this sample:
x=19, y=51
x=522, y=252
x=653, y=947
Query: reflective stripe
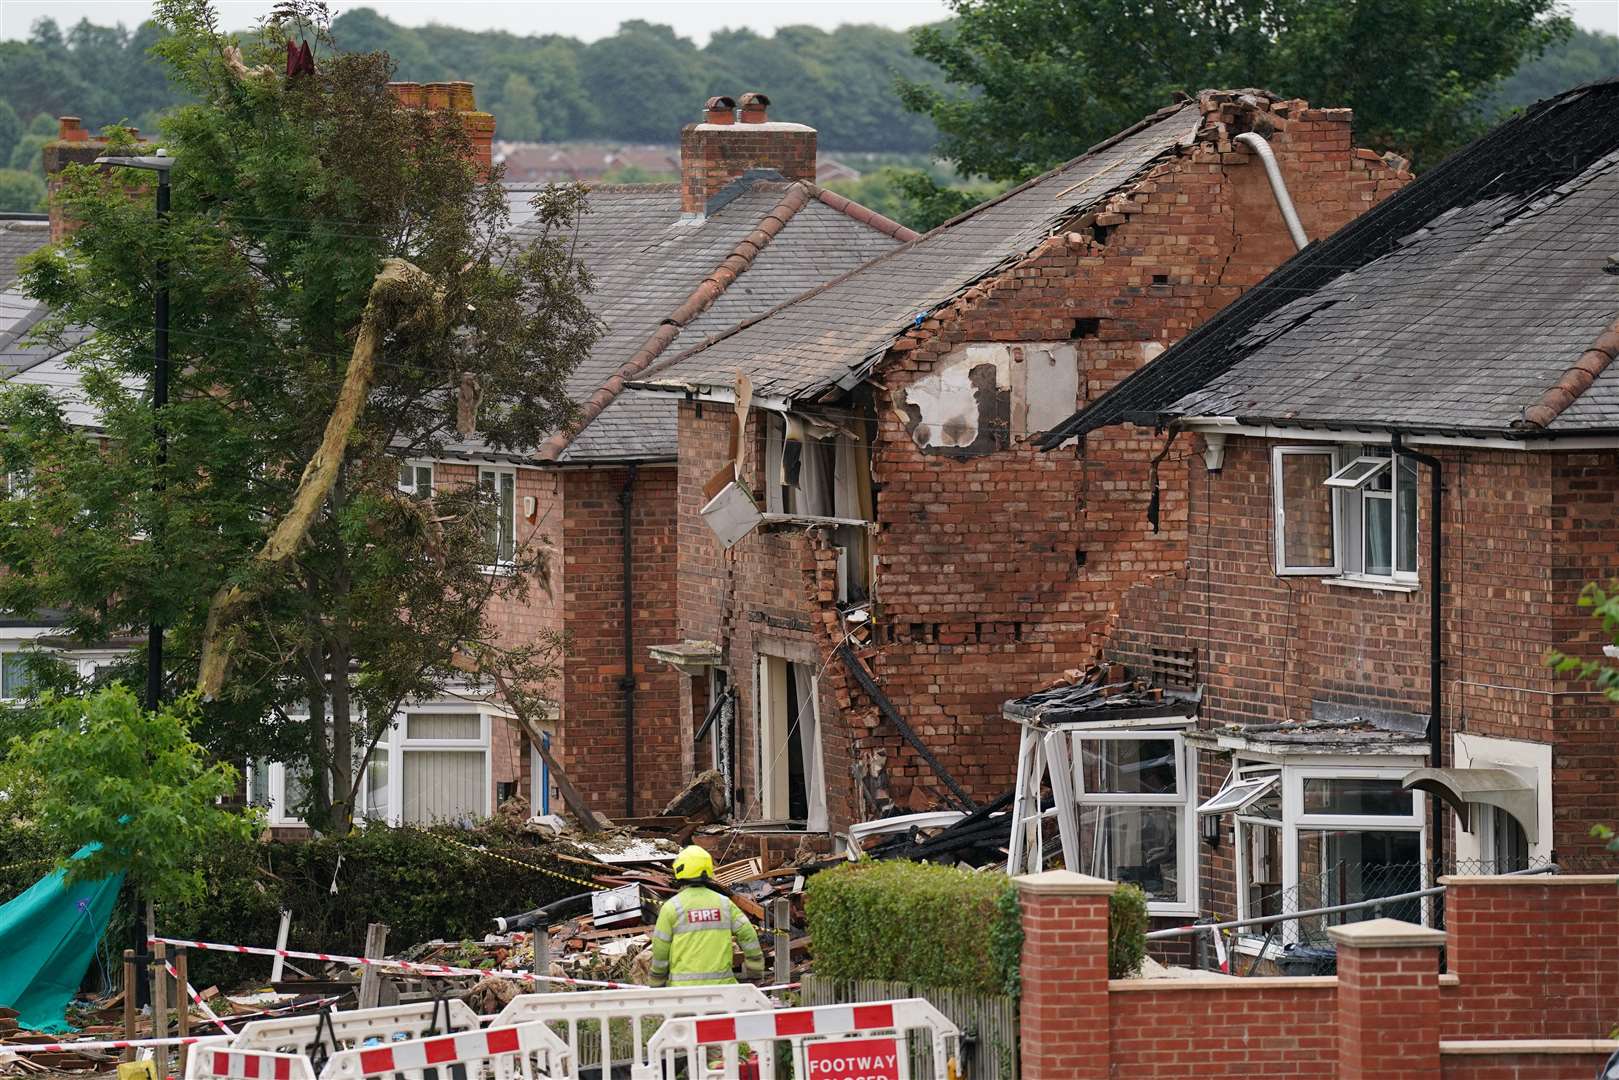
x=702, y=976
x=683, y=927
x=659, y=935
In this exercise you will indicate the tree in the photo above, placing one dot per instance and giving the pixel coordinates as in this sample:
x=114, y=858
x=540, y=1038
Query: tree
x=912, y=197
x=10, y=130
x=1585, y=57
x=1035, y=82
x=21, y=191
x=101, y=770
x=518, y=116
x=290, y=195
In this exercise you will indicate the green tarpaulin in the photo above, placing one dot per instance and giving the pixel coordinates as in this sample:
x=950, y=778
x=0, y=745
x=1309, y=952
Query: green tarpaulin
x=48, y=939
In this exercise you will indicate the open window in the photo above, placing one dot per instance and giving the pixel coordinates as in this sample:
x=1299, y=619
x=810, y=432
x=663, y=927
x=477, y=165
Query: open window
x=792, y=781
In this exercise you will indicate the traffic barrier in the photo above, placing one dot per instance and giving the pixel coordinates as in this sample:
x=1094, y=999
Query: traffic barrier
x=880, y=1052
x=216, y=1062
x=343, y=1030
x=638, y=1013
x=526, y=1051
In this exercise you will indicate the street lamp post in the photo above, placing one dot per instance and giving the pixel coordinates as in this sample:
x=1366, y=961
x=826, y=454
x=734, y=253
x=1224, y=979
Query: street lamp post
x=159, y=163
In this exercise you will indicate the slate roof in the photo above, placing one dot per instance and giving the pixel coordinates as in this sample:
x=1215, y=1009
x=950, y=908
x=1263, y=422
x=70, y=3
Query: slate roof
x=647, y=259
x=20, y=235
x=19, y=313
x=1474, y=301
x=833, y=335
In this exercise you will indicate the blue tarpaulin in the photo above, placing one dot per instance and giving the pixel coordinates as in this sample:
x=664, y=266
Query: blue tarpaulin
x=48, y=939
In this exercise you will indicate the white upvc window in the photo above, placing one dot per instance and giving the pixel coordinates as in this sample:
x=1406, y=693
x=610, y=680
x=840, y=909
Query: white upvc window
x=416, y=479
x=15, y=680
x=1349, y=512
x=1327, y=835
x=1137, y=819
x=500, y=486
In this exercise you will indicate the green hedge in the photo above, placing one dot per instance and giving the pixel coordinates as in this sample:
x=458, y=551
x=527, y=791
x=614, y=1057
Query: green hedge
x=930, y=925
x=409, y=878
x=1126, y=931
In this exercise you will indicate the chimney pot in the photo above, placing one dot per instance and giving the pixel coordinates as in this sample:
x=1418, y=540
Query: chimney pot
x=438, y=95
x=754, y=105
x=68, y=129
x=719, y=110
x=462, y=97
x=407, y=94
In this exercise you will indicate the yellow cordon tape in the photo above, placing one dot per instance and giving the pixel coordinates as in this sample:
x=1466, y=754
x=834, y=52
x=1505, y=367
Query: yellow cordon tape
x=526, y=865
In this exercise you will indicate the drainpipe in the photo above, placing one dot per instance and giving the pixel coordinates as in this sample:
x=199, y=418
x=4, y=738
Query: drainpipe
x=1436, y=743
x=626, y=501
x=1278, y=186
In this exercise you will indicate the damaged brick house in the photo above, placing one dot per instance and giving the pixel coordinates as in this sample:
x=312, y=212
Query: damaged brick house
x=671, y=263
x=916, y=560
x=1421, y=405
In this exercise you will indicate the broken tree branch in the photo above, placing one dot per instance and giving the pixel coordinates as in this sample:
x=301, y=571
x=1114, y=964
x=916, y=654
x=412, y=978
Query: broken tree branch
x=396, y=279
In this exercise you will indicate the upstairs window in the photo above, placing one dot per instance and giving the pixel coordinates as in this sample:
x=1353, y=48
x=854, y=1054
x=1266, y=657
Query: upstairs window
x=500, y=486
x=416, y=479
x=1349, y=511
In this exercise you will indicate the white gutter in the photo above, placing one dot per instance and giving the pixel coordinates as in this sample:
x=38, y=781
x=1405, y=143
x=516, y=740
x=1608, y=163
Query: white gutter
x=1278, y=187
x=1232, y=426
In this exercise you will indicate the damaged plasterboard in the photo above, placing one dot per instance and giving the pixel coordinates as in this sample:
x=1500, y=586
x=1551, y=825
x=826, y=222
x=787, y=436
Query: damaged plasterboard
x=982, y=397
x=637, y=849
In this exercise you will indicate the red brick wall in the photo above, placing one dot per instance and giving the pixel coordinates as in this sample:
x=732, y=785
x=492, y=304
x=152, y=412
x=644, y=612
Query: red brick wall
x=1522, y=532
x=713, y=155
x=1523, y=1066
x=591, y=729
x=1224, y=1029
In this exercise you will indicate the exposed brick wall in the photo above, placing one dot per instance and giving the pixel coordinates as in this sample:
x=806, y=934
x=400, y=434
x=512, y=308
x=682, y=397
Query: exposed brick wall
x=1522, y=532
x=1561, y=1065
x=591, y=729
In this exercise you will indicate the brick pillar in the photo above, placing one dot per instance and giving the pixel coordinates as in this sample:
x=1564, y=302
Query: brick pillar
x=1388, y=1000
x=1064, y=1012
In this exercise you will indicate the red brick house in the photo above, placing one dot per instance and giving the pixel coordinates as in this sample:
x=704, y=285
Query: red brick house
x=917, y=561
x=671, y=264
x=1420, y=405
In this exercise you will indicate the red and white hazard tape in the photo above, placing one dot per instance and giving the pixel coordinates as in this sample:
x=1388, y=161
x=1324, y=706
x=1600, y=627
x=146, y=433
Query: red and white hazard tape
x=197, y=1000
x=397, y=965
x=127, y=1044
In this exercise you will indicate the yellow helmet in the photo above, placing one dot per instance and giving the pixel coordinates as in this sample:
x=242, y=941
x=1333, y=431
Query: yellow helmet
x=693, y=863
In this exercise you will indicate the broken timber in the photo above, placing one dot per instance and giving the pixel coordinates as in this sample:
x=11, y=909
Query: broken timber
x=869, y=687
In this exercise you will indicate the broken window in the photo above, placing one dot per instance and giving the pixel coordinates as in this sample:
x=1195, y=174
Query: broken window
x=792, y=785
x=1135, y=812
x=500, y=487
x=719, y=728
x=1349, y=510
x=809, y=474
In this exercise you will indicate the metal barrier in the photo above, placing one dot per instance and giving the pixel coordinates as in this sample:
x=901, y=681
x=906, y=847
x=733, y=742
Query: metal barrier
x=215, y=1062
x=526, y=1051
x=638, y=1014
x=342, y=1030
x=816, y=1055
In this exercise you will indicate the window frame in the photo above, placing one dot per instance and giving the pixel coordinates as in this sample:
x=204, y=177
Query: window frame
x=813, y=749
x=14, y=656
x=501, y=563
x=1279, y=512
x=1185, y=797
x=416, y=466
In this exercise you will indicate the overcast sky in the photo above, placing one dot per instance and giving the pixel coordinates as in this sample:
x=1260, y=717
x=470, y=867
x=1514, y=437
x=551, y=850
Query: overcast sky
x=595, y=18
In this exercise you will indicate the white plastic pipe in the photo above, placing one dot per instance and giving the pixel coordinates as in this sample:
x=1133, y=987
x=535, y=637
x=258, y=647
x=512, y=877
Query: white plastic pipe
x=1278, y=186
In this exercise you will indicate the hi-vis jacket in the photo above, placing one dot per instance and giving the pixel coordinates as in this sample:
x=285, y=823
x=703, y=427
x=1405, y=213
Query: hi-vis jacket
x=692, y=943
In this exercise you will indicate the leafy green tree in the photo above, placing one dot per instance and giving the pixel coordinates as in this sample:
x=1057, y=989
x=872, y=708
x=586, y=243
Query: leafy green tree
x=913, y=197
x=1584, y=57
x=102, y=770
x=519, y=118
x=21, y=191
x=10, y=130
x=1034, y=82
x=289, y=196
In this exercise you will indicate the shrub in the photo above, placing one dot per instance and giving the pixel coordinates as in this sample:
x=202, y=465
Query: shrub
x=1126, y=931
x=930, y=925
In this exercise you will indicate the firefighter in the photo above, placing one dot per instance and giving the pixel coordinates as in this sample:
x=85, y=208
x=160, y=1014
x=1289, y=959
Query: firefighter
x=692, y=943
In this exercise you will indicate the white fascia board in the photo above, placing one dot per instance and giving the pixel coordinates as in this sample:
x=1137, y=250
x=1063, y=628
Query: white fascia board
x=1229, y=425
x=725, y=395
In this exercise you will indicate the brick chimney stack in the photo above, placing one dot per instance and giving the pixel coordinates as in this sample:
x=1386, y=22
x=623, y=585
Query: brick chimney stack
x=459, y=96
x=718, y=150
x=75, y=146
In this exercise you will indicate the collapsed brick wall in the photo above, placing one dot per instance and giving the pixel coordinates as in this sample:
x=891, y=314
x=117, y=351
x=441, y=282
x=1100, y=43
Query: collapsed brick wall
x=996, y=572
x=591, y=727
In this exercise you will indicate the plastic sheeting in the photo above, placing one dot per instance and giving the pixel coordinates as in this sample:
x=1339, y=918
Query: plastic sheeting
x=48, y=939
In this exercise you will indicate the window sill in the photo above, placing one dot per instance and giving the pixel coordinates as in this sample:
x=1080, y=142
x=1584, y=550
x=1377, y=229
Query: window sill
x=499, y=570
x=1155, y=908
x=1348, y=581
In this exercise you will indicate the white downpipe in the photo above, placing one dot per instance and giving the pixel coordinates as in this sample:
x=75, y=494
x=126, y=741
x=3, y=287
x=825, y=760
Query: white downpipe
x=1278, y=186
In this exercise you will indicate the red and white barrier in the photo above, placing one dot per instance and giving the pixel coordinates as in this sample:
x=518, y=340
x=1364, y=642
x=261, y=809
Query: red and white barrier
x=880, y=1053
x=198, y=1001
x=530, y=1051
x=227, y=1063
x=408, y=966
x=342, y=1030
x=643, y=1012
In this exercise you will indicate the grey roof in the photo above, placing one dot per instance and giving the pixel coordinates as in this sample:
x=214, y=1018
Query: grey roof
x=834, y=334
x=647, y=257
x=1454, y=306
x=19, y=236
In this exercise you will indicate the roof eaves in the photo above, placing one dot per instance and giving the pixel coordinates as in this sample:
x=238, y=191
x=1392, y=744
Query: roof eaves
x=707, y=291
